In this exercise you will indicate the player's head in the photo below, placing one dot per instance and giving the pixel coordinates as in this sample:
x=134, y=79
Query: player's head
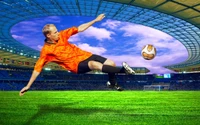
x=50, y=32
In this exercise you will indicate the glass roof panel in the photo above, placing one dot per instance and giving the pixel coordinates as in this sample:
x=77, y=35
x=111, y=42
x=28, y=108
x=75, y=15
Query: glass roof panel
x=197, y=7
x=187, y=31
x=174, y=7
x=194, y=20
x=188, y=13
x=148, y=3
x=188, y=2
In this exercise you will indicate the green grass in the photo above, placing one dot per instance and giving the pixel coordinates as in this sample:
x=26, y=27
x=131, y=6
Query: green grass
x=100, y=107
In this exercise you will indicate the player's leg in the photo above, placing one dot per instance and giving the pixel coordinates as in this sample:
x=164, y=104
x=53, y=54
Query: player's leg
x=104, y=65
x=96, y=62
x=94, y=65
x=112, y=83
x=111, y=76
x=108, y=66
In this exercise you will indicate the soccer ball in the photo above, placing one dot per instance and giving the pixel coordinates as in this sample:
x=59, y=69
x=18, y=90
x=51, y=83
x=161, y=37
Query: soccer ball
x=148, y=52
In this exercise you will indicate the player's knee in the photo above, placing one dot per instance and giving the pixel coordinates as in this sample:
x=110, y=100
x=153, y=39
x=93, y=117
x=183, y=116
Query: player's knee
x=94, y=65
x=110, y=62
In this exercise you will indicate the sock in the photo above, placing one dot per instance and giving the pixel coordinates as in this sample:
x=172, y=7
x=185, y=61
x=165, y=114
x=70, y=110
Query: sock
x=112, y=78
x=112, y=69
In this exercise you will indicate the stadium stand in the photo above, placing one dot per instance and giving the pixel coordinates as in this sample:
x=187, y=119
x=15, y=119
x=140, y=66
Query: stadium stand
x=15, y=79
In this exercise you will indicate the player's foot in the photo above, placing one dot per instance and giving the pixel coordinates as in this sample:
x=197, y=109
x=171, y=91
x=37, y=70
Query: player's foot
x=115, y=86
x=128, y=69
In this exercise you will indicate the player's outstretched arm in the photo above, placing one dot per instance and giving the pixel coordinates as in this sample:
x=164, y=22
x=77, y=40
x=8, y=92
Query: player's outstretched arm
x=84, y=26
x=32, y=79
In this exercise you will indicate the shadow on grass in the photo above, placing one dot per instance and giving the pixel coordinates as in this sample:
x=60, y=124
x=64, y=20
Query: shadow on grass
x=65, y=109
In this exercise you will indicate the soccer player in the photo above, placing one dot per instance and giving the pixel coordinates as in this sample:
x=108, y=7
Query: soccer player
x=57, y=49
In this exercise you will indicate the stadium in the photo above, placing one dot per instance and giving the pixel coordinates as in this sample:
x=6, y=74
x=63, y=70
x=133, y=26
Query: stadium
x=61, y=97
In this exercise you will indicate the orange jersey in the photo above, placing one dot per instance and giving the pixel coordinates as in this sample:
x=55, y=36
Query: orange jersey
x=63, y=53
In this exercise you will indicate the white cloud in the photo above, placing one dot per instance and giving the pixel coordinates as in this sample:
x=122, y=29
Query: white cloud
x=134, y=29
x=39, y=47
x=28, y=23
x=18, y=37
x=98, y=33
x=112, y=24
x=94, y=50
x=53, y=19
x=36, y=24
x=75, y=38
x=27, y=26
x=172, y=45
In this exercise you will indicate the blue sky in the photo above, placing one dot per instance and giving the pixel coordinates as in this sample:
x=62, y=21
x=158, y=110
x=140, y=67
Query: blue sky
x=116, y=40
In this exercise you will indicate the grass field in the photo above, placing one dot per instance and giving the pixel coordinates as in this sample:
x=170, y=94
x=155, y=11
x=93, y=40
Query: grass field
x=100, y=107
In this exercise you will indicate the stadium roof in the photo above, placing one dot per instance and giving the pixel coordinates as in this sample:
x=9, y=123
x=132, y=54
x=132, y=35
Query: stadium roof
x=178, y=18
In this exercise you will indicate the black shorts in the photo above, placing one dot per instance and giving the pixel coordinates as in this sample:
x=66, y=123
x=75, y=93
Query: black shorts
x=83, y=66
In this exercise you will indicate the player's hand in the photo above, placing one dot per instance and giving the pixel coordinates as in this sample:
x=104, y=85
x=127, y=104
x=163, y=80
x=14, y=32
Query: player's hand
x=25, y=89
x=100, y=17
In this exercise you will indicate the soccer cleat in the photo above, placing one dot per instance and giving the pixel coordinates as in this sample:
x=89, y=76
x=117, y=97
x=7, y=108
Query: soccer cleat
x=128, y=69
x=118, y=88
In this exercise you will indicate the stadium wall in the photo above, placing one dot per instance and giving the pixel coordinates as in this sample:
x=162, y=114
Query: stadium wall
x=63, y=80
